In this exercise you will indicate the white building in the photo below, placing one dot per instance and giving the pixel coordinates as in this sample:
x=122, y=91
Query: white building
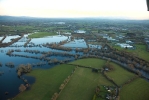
x=124, y=45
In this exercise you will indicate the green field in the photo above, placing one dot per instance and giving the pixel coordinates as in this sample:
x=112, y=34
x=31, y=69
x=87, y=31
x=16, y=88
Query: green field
x=83, y=82
x=41, y=34
x=93, y=62
x=119, y=74
x=82, y=85
x=47, y=82
x=140, y=51
x=136, y=90
x=16, y=29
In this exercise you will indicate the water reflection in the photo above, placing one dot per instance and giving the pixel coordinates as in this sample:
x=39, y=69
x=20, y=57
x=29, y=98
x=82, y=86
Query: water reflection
x=8, y=38
x=49, y=39
x=76, y=43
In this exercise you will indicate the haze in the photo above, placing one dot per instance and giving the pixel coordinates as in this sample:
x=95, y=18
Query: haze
x=129, y=9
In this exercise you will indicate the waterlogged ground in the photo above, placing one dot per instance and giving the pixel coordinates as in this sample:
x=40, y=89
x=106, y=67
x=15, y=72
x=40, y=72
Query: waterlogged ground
x=76, y=44
x=9, y=81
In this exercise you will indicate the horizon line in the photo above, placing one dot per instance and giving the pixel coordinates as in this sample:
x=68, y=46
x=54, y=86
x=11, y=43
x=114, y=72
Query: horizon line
x=79, y=17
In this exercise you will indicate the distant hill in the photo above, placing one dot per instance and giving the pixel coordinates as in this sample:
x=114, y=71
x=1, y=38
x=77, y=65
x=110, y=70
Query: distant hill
x=24, y=18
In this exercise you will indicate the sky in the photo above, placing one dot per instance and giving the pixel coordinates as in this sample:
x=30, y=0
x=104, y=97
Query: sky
x=132, y=9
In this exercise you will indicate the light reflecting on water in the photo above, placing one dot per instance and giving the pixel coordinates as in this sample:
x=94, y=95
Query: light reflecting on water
x=8, y=38
x=76, y=44
x=49, y=39
x=9, y=81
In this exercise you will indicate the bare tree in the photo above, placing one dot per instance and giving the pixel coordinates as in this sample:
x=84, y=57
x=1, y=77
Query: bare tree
x=22, y=88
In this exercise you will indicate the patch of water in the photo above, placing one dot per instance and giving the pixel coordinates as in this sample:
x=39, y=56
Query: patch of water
x=49, y=39
x=76, y=44
x=1, y=38
x=8, y=38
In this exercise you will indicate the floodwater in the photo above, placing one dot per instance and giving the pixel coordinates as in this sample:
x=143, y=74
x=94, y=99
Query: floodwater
x=49, y=39
x=8, y=38
x=9, y=81
x=76, y=44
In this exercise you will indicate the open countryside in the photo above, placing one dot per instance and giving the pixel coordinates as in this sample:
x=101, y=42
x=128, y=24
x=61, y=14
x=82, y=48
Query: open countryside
x=73, y=59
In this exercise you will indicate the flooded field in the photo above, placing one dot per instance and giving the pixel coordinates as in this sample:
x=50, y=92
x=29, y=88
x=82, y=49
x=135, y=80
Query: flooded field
x=25, y=56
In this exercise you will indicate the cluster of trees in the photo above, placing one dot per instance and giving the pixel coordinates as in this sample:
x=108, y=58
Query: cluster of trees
x=32, y=51
x=63, y=42
x=27, y=42
x=55, y=96
x=108, y=65
x=9, y=52
x=60, y=54
x=10, y=64
x=56, y=61
x=64, y=83
x=57, y=46
x=122, y=57
x=24, y=69
x=23, y=87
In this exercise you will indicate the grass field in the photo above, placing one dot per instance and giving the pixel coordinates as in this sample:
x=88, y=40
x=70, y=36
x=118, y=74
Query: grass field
x=14, y=29
x=41, y=34
x=140, y=51
x=83, y=82
x=120, y=75
x=137, y=90
x=93, y=62
x=47, y=82
x=82, y=85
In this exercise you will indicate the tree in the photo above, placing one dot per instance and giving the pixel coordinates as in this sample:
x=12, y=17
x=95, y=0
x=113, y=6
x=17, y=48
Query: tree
x=22, y=88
